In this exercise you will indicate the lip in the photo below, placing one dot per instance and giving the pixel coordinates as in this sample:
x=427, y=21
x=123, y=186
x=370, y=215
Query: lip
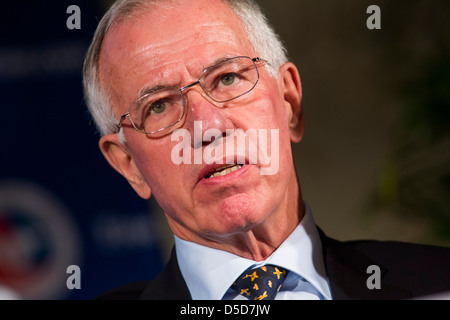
x=228, y=177
x=208, y=168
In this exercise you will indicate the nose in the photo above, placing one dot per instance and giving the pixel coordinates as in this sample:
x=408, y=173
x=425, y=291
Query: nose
x=204, y=114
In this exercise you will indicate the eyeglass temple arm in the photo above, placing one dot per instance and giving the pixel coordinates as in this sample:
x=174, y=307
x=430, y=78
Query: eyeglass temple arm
x=258, y=59
x=119, y=125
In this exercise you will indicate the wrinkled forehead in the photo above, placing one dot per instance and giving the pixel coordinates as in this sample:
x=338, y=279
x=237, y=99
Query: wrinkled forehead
x=151, y=35
x=156, y=41
x=190, y=43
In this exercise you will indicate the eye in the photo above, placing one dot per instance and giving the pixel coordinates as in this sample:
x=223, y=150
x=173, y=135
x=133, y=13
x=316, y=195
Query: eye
x=227, y=79
x=158, y=107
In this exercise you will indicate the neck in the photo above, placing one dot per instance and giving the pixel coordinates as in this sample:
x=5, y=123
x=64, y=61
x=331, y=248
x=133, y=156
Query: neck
x=261, y=240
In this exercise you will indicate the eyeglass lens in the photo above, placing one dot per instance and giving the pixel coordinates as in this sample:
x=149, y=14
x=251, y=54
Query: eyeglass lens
x=223, y=82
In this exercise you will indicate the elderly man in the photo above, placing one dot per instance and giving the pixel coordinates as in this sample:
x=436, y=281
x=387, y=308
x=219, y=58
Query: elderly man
x=198, y=105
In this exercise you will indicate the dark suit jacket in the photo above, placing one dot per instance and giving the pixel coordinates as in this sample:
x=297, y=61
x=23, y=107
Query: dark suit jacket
x=407, y=271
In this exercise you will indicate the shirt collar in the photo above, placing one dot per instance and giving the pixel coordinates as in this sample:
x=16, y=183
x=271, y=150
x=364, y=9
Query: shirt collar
x=210, y=272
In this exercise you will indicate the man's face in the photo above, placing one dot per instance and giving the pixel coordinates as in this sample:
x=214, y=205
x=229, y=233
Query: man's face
x=171, y=46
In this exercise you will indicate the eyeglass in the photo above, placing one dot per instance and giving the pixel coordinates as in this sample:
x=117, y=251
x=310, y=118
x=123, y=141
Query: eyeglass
x=163, y=107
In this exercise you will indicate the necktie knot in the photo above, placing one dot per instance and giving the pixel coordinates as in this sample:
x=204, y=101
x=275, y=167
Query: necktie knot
x=260, y=283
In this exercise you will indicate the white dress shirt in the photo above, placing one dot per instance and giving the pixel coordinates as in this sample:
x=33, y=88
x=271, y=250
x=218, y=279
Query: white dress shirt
x=209, y=272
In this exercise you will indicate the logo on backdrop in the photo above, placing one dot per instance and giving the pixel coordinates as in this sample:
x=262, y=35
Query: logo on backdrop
x=38, y=240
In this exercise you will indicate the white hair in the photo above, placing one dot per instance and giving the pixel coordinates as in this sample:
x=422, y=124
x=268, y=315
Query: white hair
x=263, y=38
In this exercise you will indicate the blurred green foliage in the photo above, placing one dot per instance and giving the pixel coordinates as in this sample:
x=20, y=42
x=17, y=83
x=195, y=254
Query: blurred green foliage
x=415, y=179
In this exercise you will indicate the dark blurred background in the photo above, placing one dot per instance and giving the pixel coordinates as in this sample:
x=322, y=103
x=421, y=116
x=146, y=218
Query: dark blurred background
x=374, y=161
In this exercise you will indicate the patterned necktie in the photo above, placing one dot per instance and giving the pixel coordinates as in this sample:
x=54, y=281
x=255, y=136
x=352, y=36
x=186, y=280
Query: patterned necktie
x=260, y=283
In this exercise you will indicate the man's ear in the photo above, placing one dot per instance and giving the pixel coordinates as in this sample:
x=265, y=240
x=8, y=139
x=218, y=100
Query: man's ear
x=118, y=156
x=291, y=91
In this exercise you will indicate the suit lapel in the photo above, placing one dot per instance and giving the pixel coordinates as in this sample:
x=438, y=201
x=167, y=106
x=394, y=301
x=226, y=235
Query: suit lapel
x=169, y=284
x=347, y=273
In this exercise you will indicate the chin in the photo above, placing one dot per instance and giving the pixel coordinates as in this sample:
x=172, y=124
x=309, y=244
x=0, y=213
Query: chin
x=236, y=214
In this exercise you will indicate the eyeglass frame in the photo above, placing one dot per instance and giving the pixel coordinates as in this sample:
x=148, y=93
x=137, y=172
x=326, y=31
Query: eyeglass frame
x=127, y=114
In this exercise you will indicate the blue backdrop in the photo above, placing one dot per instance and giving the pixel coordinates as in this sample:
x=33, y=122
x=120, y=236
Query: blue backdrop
x=61, y=203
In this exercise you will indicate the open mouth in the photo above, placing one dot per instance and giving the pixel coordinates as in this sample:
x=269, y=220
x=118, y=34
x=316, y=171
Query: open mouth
x=223, y=170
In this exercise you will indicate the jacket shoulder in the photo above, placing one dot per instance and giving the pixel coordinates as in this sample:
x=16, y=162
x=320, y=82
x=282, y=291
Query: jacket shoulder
x=404, y=255
x=394, y=253
x=420, y=268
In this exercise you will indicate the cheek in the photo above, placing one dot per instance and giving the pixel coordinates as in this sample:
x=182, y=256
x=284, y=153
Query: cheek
x=165, y=181
x=266, y=109
x=153, y=160
x=278, y=144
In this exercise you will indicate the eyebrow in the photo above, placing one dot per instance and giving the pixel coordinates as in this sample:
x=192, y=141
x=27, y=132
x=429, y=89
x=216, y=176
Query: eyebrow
x=148, y=90
x=217, y=61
